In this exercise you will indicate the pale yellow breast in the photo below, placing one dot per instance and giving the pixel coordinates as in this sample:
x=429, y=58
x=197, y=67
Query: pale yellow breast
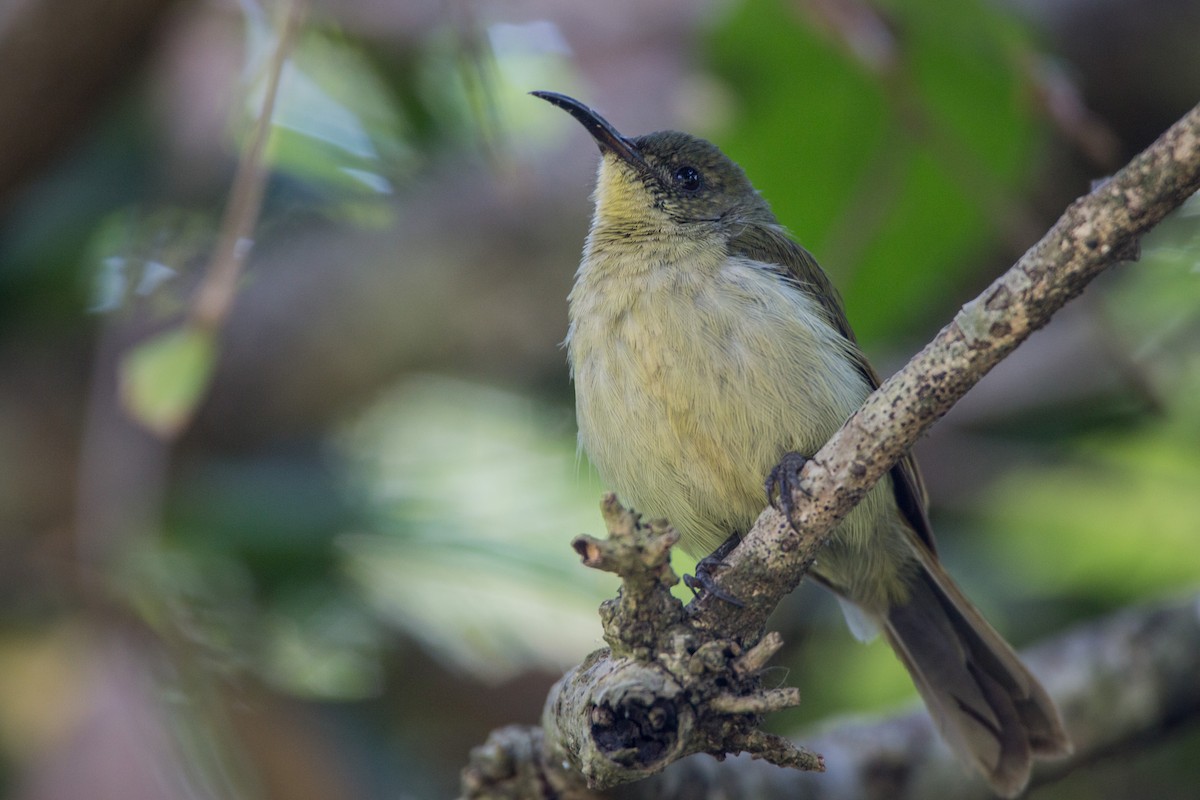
x=694, y=374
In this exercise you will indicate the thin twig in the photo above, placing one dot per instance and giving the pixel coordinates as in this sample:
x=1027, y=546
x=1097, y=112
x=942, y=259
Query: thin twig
x=214, y=299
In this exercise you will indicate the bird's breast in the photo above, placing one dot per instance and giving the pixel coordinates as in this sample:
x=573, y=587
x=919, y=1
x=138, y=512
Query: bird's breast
x=693, y=377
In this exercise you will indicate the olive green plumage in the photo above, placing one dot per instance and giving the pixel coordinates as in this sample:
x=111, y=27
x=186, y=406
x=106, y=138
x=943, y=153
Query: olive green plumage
x=704, y=345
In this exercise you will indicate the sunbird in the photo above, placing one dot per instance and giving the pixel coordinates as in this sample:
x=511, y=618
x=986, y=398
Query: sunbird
x=707, y=348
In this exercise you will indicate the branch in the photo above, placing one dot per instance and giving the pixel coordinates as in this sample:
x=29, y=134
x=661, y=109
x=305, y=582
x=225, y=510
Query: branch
x=164, y=378
x=1124, y=680
x=217, y=291
x=625, y=714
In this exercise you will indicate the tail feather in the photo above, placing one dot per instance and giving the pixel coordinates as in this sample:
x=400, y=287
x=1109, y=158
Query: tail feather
x=986, y=704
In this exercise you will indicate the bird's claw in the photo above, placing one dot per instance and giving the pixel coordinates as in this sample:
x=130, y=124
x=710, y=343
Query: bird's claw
x=704, y=579
x=784, y=478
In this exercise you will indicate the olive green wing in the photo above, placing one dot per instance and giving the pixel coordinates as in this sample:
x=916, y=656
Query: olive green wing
x=771, y=245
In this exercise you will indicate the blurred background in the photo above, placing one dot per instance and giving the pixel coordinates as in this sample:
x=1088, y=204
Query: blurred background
x=313, y=541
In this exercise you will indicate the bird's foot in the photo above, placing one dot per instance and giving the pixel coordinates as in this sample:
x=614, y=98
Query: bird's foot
x=705, y=581
x=784, y=478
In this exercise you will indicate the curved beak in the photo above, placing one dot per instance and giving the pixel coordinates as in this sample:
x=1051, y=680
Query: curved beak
x=606, y=135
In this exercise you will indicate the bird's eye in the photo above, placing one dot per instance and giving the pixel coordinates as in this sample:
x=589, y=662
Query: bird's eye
x=688, y=179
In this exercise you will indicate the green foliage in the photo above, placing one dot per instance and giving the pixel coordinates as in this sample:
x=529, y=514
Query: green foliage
x=334, y=129
x=474, y=495
x=46, y=238
x=1114, y=516
x=1116, y=519
x=164, y=378
x=781, y=70
x=912, y=166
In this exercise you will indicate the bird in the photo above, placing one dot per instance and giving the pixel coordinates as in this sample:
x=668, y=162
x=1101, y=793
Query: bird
x=707, y=348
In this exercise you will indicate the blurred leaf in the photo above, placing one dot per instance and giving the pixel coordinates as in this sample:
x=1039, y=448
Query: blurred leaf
x=45, y=670
x=323, y=646
x=476, y=495
x=334, y=125
x=1152, y=309
x=312, y=639
x=530, y=55
x=895, y=172
x=139, y=253
x=808, y=120
x=1115, y=517
x=1116, y=521
x=163, y=378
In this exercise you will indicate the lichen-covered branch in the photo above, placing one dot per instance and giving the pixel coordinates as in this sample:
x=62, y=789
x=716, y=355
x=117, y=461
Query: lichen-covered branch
x=644, y=612
x=661, y=690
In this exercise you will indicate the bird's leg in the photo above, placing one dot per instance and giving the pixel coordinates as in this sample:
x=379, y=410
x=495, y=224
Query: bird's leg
x=704, y=581
x=784, y=477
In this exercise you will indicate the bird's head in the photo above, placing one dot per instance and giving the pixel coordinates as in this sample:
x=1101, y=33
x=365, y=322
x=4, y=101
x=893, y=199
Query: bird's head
x=664, y=179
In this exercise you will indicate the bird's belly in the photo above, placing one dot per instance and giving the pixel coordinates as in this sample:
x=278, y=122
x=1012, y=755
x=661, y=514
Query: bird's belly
x=671, y=452
x=686, y=401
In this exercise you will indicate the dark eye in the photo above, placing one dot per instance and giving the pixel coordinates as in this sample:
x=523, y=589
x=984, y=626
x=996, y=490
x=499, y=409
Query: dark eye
x=688, y=179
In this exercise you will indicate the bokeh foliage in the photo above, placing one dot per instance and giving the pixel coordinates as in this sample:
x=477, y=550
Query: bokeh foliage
x=890, y=155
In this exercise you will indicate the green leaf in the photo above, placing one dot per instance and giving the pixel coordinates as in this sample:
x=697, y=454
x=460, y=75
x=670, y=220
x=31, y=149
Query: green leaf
x=1114, y=519
x=899, y=177
x=163, y=378
x=473, y=495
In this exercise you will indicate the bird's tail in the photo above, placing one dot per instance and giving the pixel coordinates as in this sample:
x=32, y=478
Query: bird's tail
x=986, y=704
